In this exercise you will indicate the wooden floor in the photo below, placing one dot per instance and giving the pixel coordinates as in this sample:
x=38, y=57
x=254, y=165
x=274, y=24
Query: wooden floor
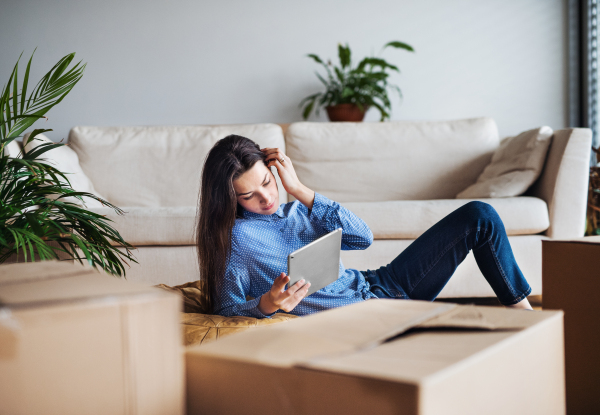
x=534, y=300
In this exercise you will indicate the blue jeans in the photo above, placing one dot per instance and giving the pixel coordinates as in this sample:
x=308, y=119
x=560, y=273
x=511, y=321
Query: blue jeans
x=423, y=269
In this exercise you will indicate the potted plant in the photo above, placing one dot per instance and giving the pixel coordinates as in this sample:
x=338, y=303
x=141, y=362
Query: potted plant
x=351, y=91
x=593, y=210
x=37, y=220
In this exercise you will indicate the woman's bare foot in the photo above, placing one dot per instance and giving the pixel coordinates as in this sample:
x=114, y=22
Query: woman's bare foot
x=523, y=304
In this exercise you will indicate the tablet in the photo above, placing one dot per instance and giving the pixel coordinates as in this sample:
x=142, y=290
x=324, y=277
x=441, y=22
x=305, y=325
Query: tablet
x=317, y=263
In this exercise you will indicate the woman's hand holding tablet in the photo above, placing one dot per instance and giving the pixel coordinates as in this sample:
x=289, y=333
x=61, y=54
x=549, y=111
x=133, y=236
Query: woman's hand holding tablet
x=318, y=261
x=278, y=298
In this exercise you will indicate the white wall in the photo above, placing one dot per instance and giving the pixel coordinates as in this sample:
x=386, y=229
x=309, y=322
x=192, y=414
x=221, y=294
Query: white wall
x=242, y=61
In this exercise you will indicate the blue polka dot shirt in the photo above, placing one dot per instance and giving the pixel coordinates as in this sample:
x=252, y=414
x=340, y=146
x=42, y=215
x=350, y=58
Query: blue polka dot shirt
x=260, y=247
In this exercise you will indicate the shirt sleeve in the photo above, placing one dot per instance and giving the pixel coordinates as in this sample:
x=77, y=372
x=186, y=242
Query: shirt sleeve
x=331, y=215
x=232, y=293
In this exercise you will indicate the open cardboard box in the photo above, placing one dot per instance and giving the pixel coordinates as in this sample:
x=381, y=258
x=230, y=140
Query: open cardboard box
x=386, y=357
x=74, y=341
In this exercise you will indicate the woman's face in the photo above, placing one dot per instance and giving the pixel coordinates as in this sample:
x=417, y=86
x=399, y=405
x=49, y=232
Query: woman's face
x=256, y=190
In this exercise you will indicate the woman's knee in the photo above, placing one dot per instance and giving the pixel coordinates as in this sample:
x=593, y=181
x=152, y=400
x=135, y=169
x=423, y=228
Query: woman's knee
x=478, y=211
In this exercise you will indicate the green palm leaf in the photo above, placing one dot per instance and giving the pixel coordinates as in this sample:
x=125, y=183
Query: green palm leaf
x=344, y=55
x=36, y=218
x=52, y=89
x=399, y=45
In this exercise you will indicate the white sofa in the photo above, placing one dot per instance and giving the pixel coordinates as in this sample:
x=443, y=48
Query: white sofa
x=400, y=177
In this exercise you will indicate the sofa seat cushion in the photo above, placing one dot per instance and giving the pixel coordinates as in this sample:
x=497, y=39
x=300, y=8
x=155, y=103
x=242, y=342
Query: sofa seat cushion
x=407, y=219
x=154, y=226
x=401, y=219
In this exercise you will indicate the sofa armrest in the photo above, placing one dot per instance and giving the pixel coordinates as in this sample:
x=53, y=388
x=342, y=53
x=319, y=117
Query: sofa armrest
x=563, y=183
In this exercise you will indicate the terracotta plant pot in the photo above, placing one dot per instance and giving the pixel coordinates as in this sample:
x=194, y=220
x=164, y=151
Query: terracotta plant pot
x=346, y=112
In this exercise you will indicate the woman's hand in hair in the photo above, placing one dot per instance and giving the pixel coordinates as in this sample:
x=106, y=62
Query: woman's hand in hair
x=278, y=298
x=289, y=179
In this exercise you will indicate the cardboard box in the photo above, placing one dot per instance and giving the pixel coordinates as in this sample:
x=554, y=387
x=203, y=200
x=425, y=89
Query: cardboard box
x=571, y=276
x=74, y=341
x=386, y=357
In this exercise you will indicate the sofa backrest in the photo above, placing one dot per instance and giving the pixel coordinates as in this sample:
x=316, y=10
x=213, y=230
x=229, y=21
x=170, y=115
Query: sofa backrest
x=157, y=166
x=400, y=160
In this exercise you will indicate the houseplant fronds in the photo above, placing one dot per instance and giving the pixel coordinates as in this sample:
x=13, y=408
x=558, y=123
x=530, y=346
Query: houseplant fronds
x=37, y=216
x=364, y=86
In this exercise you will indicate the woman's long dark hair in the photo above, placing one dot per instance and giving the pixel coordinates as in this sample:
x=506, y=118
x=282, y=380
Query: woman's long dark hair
x=230, y=157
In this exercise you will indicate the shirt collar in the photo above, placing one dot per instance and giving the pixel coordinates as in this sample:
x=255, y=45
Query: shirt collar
x=251, y=215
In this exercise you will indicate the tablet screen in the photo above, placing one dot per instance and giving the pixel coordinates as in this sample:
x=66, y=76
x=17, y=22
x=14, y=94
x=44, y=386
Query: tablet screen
x=317, y=262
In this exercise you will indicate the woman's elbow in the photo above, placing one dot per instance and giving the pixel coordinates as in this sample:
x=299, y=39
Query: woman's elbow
x=357, y=241
x=369, y=239
x=365, y=240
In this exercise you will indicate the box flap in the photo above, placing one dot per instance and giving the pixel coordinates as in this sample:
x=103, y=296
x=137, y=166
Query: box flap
x=425, y=355
x=360, y=339
x=483, y=318
x=33, y=284
x=340, y=330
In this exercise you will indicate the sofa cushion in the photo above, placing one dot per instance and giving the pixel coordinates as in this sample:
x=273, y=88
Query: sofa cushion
x=400, y=160
x=408, y=219
x=65, y=159
x=154, y=226
x=157, y=166
x=13, y=149
x=515, y=166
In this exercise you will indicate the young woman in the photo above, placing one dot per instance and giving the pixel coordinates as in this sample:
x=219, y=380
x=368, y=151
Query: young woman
x=244, y=237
